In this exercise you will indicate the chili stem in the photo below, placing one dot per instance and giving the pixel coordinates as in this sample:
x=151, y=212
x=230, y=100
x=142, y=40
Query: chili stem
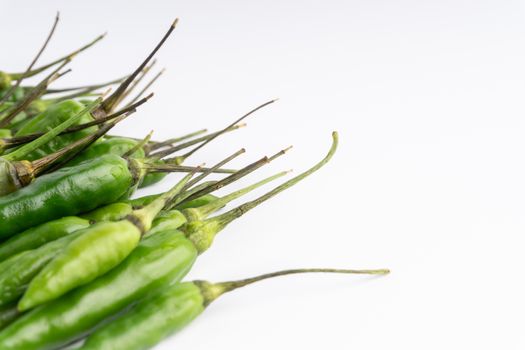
x=148, y=85
x=60, y=60
x=112, y=100
x=139, y=145
x=173, y=149
x=19, y=81
x=185, y=156
x=236, y=176
x=235, y=213
x=171, y=141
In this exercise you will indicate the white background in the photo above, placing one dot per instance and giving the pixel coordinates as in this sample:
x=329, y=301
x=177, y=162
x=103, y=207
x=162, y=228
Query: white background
x=428, y=181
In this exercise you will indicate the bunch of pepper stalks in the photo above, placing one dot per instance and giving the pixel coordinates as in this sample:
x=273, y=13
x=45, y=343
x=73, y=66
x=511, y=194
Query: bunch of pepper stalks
x=80, y=259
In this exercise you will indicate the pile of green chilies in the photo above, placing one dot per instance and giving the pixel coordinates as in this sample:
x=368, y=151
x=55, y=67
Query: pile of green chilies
x=80, y=259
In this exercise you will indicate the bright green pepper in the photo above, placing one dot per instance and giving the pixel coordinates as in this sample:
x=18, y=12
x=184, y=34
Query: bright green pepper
x=39, y=235
x=17, y=271
x=79, y=264
x=15, y=175
x=65, y=192
x=152, y=179
x=114, y=145
x=158, y=261
x=173, y=308
x=150, y=320
x=110, y=212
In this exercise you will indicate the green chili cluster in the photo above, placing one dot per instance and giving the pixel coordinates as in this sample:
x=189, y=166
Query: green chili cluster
x=82, y=258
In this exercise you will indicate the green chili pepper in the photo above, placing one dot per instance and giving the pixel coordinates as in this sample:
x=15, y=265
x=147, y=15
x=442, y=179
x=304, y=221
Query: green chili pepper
x=5, y=133
x=17, y=271
x=18, y=174
x=110, y=212
x=65, y=192
x=173, y=308
x=158, y=261
x=115, y=145
x=7, y=78
x=39, y=235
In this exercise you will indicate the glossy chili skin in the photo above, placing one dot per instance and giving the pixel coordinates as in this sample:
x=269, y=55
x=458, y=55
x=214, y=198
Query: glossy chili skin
x=18, y=271
x=114, y=145
x=158, y=261
x=77, y=264
x=51, y=117
x=169, y=220
x=151, y=179
x=39, y=235
x=65, y=192
x=151, y=320
x=111, y=212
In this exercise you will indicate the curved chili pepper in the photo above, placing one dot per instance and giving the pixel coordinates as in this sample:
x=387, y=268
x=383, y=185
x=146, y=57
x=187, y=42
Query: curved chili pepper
x=17, y=271
x=114, y=145
x=39, y=235
x=65, y=192
x=173, y=308
x=157, y=261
